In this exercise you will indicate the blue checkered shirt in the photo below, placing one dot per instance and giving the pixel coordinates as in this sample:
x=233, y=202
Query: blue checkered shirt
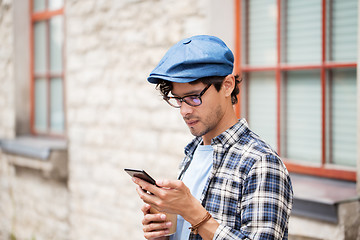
x=249, y=191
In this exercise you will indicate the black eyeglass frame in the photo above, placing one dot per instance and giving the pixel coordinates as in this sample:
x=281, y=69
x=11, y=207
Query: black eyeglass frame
x=183, y=99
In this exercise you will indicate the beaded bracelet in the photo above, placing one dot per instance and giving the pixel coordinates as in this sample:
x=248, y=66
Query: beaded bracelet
x=194, y=228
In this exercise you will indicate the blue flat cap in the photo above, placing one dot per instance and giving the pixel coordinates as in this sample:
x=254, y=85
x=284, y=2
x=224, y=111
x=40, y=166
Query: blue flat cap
x=193, y=58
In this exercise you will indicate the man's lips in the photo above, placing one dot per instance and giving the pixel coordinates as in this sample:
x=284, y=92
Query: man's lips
x=191, y=123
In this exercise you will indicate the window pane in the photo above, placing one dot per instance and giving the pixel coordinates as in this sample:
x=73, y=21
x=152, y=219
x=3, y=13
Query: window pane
x=303, y=116
x=344, y=30
x=303, y=31
x=55, y=4
x=40, y=105
x=262, y=105
x=343, y=117
x=262, y=32
x=56, y=101
x=39, y=5
x=40, y=47
x=56, y=40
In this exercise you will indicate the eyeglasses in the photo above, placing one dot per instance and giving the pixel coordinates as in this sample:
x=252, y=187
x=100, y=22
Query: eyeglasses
x=191, y=100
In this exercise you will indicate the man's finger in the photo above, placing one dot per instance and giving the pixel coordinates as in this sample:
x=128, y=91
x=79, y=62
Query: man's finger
x=157, y=234
x=146, y=208
x=145, y=185
x=152, y=218
x=165, y=183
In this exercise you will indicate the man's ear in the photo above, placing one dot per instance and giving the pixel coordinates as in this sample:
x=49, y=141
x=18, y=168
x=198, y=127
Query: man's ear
x=228, y=84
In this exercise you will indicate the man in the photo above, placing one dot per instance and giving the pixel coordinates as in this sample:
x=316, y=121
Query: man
x=232, y=184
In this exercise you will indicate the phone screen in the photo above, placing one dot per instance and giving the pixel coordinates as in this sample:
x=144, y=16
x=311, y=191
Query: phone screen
x=140, y=174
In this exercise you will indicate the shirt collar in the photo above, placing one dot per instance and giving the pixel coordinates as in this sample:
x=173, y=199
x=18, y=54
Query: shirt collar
x=231, y=135
x=226, y=139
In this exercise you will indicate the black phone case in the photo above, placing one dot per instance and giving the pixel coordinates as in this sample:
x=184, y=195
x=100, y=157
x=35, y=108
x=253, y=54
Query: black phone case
x=140, y=174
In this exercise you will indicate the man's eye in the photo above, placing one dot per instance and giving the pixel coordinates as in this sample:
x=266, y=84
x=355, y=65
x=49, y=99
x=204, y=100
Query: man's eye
x=193, y=100
x=192, y=97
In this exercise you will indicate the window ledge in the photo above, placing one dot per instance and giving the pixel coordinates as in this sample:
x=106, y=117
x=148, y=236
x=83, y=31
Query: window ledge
x=46, y=155
x=33, y=147
x=318, y=198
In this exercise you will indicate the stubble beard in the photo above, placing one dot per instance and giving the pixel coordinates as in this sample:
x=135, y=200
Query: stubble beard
x=210, y=123
x=199, y=134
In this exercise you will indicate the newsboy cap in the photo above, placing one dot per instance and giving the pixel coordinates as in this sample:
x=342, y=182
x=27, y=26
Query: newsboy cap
x=193, y=58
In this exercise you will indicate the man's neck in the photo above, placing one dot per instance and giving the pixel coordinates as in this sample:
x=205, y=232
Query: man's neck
x=227, y=121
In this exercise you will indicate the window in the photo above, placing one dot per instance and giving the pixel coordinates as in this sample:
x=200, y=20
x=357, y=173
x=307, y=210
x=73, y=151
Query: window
x=298, y=62
x=47, y=71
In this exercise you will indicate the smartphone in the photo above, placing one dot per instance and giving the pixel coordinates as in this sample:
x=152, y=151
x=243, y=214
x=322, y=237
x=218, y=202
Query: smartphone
x=140, y=174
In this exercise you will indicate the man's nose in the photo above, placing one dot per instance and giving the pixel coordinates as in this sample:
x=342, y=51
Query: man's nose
x=185, y=109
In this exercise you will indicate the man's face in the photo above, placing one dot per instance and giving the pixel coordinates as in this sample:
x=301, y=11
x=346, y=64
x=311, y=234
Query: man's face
x=203, y=120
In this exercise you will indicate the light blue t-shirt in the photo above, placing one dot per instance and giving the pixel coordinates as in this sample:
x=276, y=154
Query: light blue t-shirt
x=195, y=179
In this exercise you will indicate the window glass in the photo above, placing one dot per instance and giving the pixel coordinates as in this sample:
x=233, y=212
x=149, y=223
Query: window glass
x=40, y=47
x=48, y=38
x=303, y=31
x=56, y=41
x=303, y=116
x=56, y=103
x=314, y=131
x=343, y=117
x=40, y=105
x=39, y=5
x=262, y=105
x=55, y=4
x=343, y=36
x=262, y=32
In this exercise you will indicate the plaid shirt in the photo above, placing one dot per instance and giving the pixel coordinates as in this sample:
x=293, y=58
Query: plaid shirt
x=249, y=190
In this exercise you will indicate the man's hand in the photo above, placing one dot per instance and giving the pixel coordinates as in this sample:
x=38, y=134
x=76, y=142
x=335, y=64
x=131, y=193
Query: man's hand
x=172, y=196
x=154, y=225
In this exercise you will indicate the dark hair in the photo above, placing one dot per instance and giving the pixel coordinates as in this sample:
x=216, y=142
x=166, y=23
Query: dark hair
x=165, y=87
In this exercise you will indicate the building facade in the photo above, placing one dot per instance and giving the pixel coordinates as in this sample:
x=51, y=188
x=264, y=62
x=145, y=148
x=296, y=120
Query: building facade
x=76, y=109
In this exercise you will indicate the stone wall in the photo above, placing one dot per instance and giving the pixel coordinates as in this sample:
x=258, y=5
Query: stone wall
x=347, y=228
x=32, y=207
x=6, y=109
x=7, y=122
x=358, y=102
x=115, y=118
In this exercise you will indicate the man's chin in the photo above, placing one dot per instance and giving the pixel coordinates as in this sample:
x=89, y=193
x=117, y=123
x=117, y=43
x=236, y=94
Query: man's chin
x=197, y=133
